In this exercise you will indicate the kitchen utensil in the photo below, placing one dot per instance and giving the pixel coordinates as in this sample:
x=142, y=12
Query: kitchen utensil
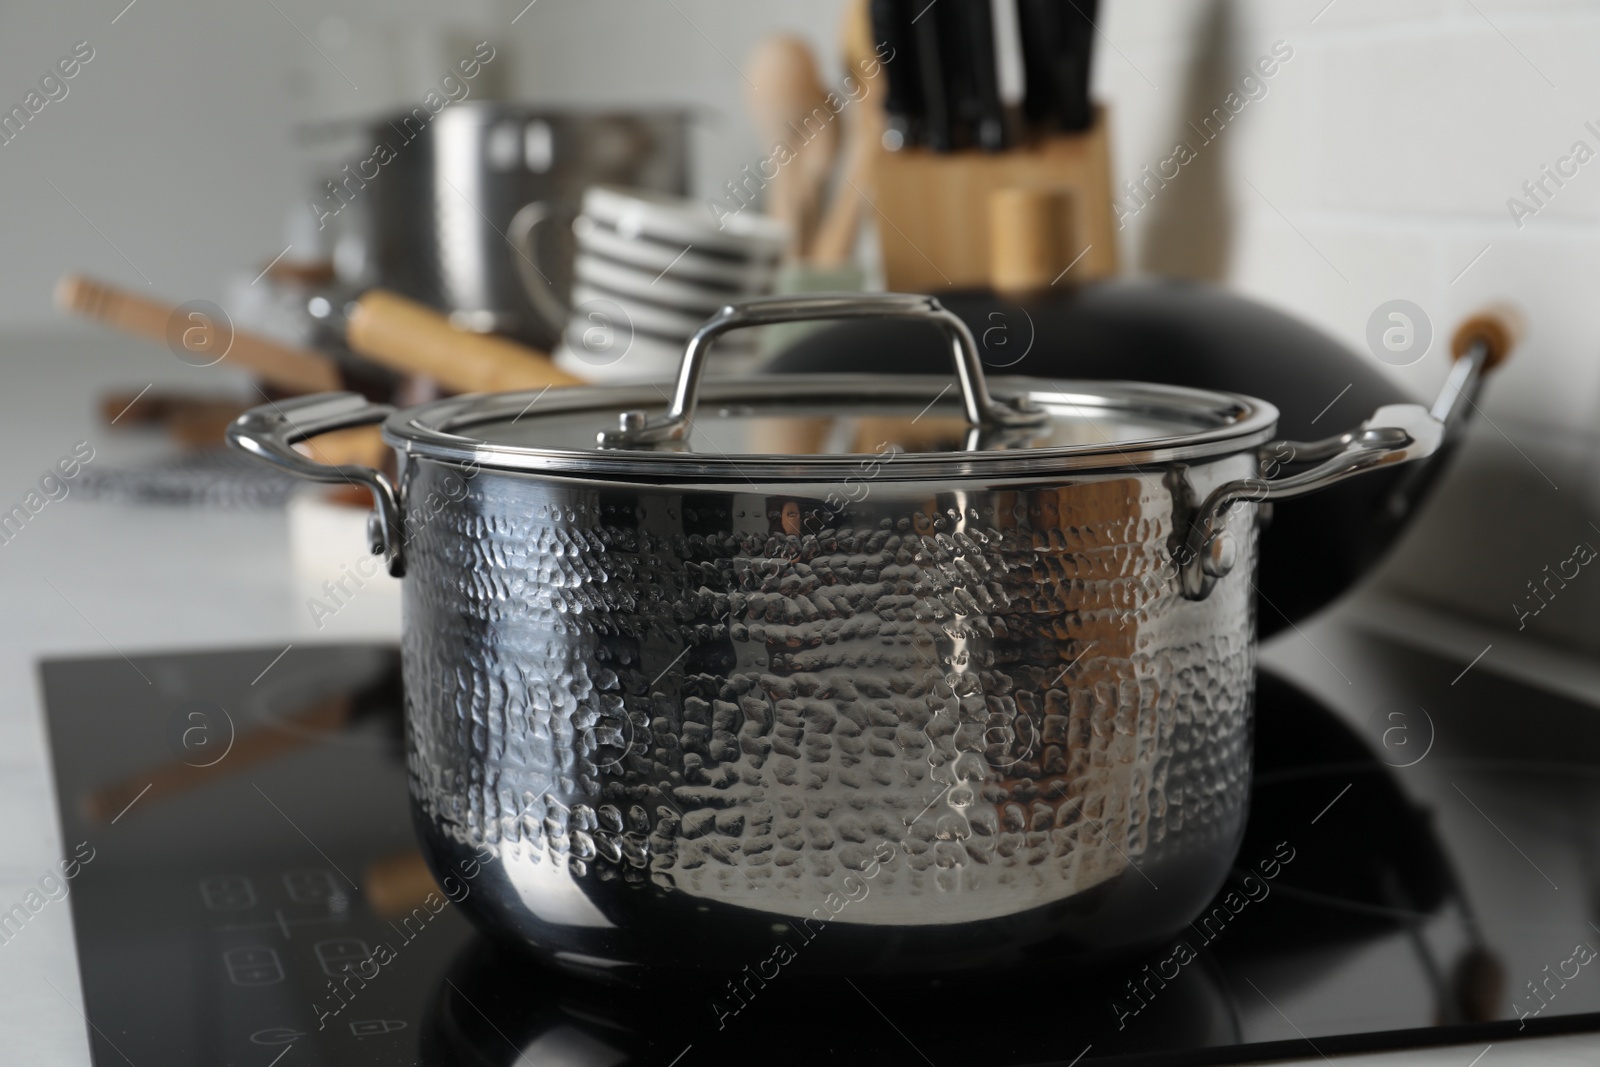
x=684, y=690
x=203, y=339
x=934, y=209
x=788, y=101
x=955, y=51
x=934, y=79
x=675, y=293
x=650, y=267
x=1194, y=335
x=1032, y=238
x=442, y=207
x=1057, y=44
x=972, y=23
x=838, y=232
x=903, y=105
x=709, y=266
x=410, y=337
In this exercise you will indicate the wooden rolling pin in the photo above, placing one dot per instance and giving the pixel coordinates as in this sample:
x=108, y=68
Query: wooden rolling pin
x=410, y=337
x=293, y=370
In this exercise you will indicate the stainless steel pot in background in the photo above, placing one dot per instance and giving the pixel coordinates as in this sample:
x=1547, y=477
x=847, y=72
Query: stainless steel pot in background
x=441, y=214
x=896, y=671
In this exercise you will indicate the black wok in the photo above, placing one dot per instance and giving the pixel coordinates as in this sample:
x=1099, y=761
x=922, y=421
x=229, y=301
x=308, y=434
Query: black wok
x=1186, y=333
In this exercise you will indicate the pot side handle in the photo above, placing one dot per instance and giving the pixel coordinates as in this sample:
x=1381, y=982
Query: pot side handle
x=1396, y=433
x=271, y=431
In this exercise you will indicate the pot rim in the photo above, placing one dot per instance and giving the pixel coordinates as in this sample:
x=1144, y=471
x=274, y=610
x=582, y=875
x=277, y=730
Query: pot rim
x=442, y=430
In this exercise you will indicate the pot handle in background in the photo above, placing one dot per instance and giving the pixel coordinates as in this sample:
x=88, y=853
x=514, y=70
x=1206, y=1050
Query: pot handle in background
x=271, y=431
x=522, y=234
x=982, y=409
x=1396, y=433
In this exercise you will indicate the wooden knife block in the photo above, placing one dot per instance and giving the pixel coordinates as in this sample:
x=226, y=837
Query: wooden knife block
x=933, y=221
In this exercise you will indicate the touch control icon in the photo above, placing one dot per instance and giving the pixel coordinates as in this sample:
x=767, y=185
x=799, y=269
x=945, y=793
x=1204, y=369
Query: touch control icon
x=254, y=966
x=373, y=1027
x=310, y=886
x=340, y=955
x=227, y=892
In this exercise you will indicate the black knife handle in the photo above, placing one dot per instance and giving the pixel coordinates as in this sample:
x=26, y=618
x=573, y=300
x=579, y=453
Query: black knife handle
x=932, y=63
x=1057, y=46
x=987, y=116
x=902, y=101
x=1077, y=111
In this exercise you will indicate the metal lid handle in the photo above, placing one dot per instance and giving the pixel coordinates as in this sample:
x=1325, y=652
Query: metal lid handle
x=982, y=409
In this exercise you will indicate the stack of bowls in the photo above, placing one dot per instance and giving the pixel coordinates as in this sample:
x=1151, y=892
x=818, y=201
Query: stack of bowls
x=650, y=269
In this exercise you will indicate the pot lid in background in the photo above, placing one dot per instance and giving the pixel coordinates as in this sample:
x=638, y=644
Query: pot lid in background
x=823, y=428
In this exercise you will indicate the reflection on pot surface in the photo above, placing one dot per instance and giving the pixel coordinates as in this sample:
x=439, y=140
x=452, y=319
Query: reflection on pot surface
x=971, y=712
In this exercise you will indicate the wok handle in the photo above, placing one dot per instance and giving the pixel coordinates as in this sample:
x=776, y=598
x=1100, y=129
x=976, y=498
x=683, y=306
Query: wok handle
x=982, y=409
x=1396, y=433
x=1482, y=342
x=270, y=432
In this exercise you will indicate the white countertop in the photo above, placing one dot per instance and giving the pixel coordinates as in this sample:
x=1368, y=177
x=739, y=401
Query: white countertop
x=88, y=578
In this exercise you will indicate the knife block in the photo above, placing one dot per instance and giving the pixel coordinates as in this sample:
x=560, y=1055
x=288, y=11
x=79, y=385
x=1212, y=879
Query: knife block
x=933, y=208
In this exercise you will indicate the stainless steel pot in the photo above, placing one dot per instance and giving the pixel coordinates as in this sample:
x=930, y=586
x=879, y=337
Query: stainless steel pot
x=450, y=223
x=894, y=672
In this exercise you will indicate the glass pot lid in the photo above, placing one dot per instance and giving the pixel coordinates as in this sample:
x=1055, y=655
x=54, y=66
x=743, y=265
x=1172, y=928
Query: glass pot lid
x=819, y=427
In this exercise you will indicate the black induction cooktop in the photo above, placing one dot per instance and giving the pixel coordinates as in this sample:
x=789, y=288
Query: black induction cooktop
x=237, y=842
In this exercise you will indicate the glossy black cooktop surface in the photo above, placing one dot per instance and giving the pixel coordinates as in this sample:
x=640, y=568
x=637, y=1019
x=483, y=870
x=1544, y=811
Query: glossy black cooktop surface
x=239, y=844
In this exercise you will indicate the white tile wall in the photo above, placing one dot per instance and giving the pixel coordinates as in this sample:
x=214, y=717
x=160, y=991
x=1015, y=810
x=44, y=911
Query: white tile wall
x=1392, y=141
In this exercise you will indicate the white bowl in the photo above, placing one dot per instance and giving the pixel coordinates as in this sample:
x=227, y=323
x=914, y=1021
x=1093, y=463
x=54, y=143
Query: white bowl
x=659, y=288
x=660, y=321
x=754, y=275
x=680, y=220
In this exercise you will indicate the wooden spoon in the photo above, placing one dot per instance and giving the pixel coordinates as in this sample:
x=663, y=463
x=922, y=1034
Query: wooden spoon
x=789, y=105
x=835, y=243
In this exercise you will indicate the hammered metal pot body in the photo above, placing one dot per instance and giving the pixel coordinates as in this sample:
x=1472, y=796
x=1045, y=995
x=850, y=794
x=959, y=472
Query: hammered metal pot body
x=884, y=724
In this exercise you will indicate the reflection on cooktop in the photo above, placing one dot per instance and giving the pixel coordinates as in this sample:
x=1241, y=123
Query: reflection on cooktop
x=253, y=895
